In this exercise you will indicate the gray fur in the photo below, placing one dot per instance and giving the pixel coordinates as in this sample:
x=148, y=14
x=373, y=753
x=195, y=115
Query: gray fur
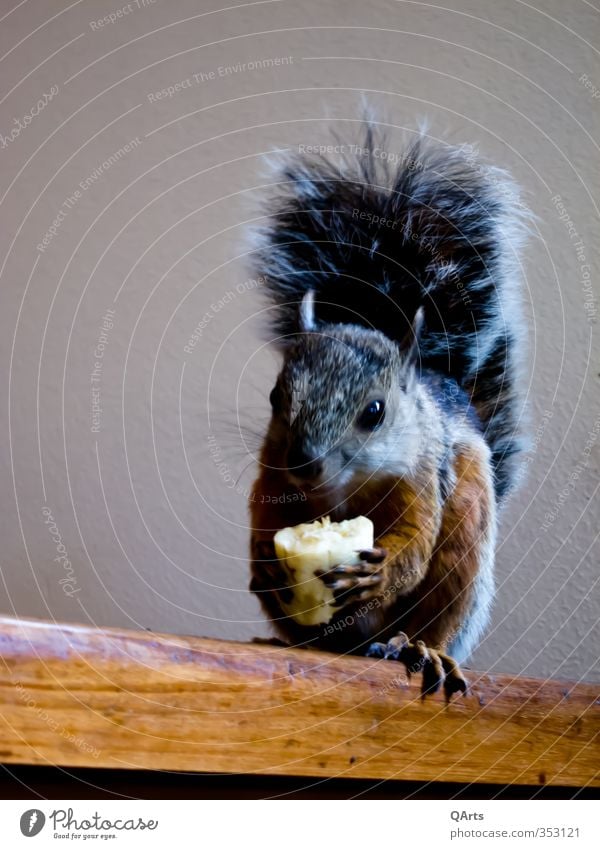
x=452, y=250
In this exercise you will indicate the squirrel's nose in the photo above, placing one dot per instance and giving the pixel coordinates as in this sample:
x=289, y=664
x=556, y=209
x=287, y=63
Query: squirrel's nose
x=303, y=464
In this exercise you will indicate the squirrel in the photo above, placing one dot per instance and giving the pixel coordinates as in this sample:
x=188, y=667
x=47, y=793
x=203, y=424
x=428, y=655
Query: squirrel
x=394, y=289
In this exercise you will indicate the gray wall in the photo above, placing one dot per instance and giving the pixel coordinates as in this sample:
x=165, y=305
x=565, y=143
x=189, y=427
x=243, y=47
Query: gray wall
x=124, y=471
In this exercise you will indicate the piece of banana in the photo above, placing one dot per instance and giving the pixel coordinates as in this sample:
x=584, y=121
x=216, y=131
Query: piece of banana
x=317, y=546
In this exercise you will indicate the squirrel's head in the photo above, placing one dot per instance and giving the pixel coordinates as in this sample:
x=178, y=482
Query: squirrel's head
x=345, y=405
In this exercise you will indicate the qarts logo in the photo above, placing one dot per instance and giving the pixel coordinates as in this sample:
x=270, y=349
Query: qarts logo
x=32, y=822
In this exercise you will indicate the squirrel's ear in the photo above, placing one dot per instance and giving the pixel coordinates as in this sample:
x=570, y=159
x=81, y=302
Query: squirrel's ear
x=307, y=312
x=409, y=346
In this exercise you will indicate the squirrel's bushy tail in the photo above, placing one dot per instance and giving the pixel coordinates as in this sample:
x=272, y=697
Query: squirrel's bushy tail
x=377, y=236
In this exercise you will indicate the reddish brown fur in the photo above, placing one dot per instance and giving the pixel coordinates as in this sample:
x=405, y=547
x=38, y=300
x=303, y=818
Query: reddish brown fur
x=442, y=600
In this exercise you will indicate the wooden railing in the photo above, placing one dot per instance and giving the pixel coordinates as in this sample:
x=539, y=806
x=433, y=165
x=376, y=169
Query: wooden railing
x=73, y=695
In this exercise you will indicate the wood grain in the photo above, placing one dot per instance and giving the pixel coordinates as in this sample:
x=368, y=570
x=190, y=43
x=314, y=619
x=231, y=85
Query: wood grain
x=74, y=695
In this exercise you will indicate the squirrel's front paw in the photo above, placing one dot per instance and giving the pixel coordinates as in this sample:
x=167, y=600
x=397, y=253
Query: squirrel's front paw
x=436, y=667
x=268, y=575
x=358, y=581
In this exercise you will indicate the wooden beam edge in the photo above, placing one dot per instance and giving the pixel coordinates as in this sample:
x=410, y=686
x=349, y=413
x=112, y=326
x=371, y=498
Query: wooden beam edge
x=76, y=695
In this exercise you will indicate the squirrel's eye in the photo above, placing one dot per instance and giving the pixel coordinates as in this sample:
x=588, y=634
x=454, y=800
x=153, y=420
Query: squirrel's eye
x=372, y=416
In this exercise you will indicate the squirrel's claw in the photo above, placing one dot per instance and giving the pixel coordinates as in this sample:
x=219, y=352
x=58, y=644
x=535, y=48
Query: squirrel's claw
x=351, y=589
x=270, y=641
x=373, y=555
x=436, y=667
x=454, y=680
x=268, y=575
x=350, y=570
x=352, y=582
x=264, y=549
x=369, y=566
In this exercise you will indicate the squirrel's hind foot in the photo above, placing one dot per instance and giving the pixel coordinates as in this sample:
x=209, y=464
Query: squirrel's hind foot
x=436, y=667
